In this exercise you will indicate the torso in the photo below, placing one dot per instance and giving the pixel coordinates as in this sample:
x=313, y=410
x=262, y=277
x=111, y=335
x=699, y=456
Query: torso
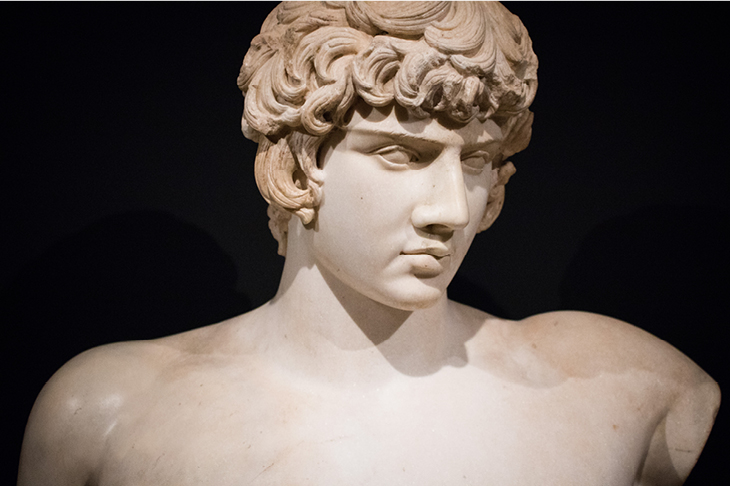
x=208, y=419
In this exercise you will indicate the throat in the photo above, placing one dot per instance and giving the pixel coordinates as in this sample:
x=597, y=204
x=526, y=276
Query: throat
x=319, y=326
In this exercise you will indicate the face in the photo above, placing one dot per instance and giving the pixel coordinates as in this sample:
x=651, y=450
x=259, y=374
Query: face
x=402, y=201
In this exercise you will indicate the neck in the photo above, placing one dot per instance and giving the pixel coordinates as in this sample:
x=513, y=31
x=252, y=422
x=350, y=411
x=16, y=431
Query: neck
x=328, y=329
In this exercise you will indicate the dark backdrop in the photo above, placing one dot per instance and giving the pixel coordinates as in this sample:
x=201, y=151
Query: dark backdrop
x=130, y=211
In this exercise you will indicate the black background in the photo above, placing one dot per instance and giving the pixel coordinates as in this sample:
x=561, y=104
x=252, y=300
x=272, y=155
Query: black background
x=129, y=209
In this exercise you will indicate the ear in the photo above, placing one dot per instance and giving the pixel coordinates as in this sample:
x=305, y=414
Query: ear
x=495, y=199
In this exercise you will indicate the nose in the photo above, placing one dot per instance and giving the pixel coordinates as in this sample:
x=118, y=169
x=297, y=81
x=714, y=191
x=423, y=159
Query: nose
x=445, y=207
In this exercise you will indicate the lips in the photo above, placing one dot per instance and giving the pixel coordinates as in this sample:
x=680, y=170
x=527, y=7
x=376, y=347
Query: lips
x=427, y=261
x=437, y=251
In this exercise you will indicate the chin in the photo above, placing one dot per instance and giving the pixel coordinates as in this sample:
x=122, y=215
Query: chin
x=412, y=299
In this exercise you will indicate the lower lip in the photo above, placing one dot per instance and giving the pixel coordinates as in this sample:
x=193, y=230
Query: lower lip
x=426, y=266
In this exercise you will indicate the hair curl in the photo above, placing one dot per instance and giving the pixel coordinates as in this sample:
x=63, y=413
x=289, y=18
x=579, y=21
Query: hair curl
x=312, y=61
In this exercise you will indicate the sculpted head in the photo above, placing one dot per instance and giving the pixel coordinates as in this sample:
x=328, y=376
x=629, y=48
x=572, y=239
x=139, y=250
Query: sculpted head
x=315, y=63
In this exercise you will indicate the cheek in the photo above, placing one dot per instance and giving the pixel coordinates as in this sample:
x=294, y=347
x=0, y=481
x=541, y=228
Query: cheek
x=355, y=209
x=477, y=195
x=365, y=193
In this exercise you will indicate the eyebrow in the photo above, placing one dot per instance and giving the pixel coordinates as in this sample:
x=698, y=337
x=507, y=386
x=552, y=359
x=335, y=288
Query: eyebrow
x=410, y=137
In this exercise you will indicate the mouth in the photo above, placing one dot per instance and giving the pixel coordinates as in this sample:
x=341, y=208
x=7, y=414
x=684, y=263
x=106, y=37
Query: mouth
x=429, y=261
x=437, y=252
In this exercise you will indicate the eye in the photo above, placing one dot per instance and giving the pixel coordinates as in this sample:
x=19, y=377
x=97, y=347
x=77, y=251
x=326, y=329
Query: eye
x=397, y=156
x=475, y=162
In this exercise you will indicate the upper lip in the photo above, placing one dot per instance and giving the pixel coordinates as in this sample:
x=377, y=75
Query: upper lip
x=437, y=251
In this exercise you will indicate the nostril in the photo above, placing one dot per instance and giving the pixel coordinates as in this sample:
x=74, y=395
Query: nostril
x=439, y=230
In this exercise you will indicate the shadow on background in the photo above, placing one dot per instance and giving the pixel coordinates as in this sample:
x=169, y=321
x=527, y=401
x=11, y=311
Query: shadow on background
x=138, y=275
x=664, y=269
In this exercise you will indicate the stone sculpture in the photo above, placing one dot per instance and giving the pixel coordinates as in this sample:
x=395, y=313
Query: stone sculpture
x=383, y=134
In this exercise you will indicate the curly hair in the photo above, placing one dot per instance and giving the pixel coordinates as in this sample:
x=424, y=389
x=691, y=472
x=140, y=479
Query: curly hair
x=313, y=61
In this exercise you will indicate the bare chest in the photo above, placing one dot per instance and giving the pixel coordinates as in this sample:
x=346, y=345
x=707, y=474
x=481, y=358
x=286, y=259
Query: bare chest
x=442, y=433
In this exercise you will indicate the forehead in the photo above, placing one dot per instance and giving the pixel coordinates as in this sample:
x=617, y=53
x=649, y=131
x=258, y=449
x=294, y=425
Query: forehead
x=396, y=122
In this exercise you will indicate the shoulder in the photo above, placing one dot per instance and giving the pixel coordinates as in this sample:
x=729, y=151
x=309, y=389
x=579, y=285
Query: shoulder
x=584, y=341
x=584, y=344
x=78, y=408
x=79, y=405
x=594, y=342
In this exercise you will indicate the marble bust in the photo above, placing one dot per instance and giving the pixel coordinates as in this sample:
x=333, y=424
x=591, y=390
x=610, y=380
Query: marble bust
x=384, y=132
